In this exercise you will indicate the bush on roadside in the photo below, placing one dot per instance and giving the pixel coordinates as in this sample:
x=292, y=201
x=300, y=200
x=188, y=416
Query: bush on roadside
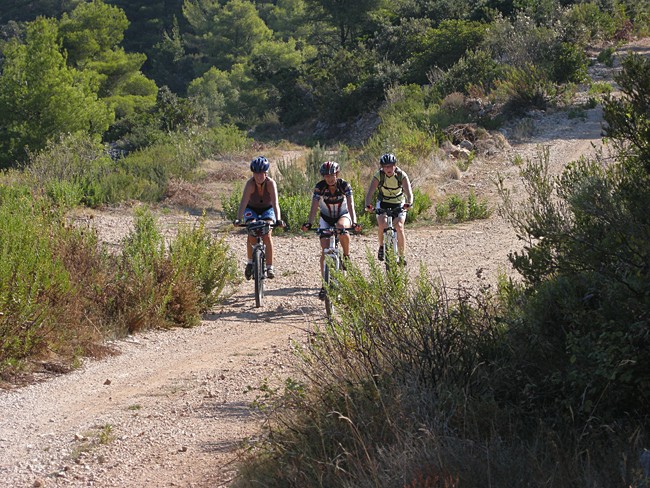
x=567, y=63
x=523, y=89
x=62, y=295
x=541, y=382
x=77, y=169
x=458, y=209
x=475, y=68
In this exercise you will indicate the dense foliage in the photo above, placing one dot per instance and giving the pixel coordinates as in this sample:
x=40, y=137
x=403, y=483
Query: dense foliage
x=542, y=383
x=62, y=295
x=252, y=61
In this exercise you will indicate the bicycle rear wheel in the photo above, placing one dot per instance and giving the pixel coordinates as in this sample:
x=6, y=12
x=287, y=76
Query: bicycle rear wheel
x=258, y=276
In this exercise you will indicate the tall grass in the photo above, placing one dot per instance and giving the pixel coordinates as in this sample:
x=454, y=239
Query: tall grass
x=30, y=273
x=410, y=387
x=62, y=294
x=457, y=209
x=76, y=169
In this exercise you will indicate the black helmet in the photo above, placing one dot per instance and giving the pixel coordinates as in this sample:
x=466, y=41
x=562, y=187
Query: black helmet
x=388, y=159
x=329, y=168
x=260, y=165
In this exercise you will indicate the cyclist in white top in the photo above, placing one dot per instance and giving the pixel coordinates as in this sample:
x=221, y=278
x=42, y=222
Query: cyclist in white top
x=395, y=191
x=333, y=197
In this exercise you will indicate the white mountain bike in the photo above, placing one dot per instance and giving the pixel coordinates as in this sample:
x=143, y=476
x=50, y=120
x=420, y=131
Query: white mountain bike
x=390, y=248
x=331, y=262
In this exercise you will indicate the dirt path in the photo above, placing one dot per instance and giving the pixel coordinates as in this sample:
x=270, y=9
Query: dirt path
x=170, y=409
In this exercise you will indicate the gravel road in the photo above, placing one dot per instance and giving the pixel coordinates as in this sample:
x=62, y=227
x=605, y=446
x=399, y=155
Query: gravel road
x=171, y=407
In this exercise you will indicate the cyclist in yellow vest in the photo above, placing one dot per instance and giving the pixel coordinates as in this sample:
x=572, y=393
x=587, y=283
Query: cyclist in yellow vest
x=394, y=190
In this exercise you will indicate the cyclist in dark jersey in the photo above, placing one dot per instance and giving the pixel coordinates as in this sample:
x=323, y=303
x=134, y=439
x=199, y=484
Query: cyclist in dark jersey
x=260, y=202
x=333, y=197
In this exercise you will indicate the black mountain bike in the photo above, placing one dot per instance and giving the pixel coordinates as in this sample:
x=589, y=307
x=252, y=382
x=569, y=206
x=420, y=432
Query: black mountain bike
x=258, y=229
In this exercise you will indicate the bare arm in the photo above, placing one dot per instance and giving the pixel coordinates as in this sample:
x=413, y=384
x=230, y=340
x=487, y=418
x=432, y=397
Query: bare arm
x=275, y=202
x=408, y=191
x=313, y=210
x=353, y=213
x=374, y=183
x=245, y=198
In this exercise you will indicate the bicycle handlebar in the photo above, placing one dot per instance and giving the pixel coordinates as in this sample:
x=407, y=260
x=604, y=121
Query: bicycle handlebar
x=253, y=223
x=326, y=232
x=393, y=212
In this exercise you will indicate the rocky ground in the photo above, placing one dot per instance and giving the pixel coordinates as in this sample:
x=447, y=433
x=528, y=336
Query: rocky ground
x=172, y=407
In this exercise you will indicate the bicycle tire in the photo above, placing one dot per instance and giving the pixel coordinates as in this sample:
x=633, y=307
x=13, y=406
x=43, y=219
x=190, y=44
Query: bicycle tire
x=329, y=307
x=258, y=275
x=390, y=246
x=396, y=248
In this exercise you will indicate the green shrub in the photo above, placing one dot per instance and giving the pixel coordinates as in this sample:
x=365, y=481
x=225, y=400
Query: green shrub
x=218, y=141
x=29, y=271
x=523, y=89
x=586, y=22
x=474, y=68
x=405, y=127
x=65, y=193
x=518, y=42
x=77, y=169
x=62, y=294
x=606, y=56
x=568, y=64
x=445, y=45
x=230, y=202
x=205, y=260
x=295, y=209
x=585, y=265
x=421, y=205
x=144, y=246
x=600, y=88
x=293, y=180
x=458, y=209
x=393, y=363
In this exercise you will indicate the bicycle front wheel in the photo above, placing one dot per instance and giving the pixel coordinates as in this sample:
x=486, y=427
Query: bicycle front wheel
x=258, y=275
x=327, y=278
x=390, y=248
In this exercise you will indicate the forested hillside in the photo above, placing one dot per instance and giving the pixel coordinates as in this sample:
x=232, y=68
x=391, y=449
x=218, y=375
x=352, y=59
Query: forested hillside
x=125, y=71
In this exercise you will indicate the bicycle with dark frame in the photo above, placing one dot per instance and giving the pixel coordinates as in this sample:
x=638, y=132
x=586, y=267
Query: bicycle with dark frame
x=258, y=229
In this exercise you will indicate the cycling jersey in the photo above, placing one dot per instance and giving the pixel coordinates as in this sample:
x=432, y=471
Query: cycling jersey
x=390, y=187
x=334, y=204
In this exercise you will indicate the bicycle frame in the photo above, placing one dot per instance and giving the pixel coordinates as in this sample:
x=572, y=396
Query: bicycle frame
x=332, y=260
x=258, y=229
x=390, y=233
x=332, y=250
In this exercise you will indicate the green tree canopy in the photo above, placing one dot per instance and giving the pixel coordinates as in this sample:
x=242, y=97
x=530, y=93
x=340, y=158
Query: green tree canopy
x=91, y=34
x=224, y=35
x=91, y=29
x=28, y=10
x=348, y=18
x=41, y=97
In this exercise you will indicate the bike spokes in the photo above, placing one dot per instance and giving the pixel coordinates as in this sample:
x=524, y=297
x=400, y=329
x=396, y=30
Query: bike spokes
x=258, y=275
